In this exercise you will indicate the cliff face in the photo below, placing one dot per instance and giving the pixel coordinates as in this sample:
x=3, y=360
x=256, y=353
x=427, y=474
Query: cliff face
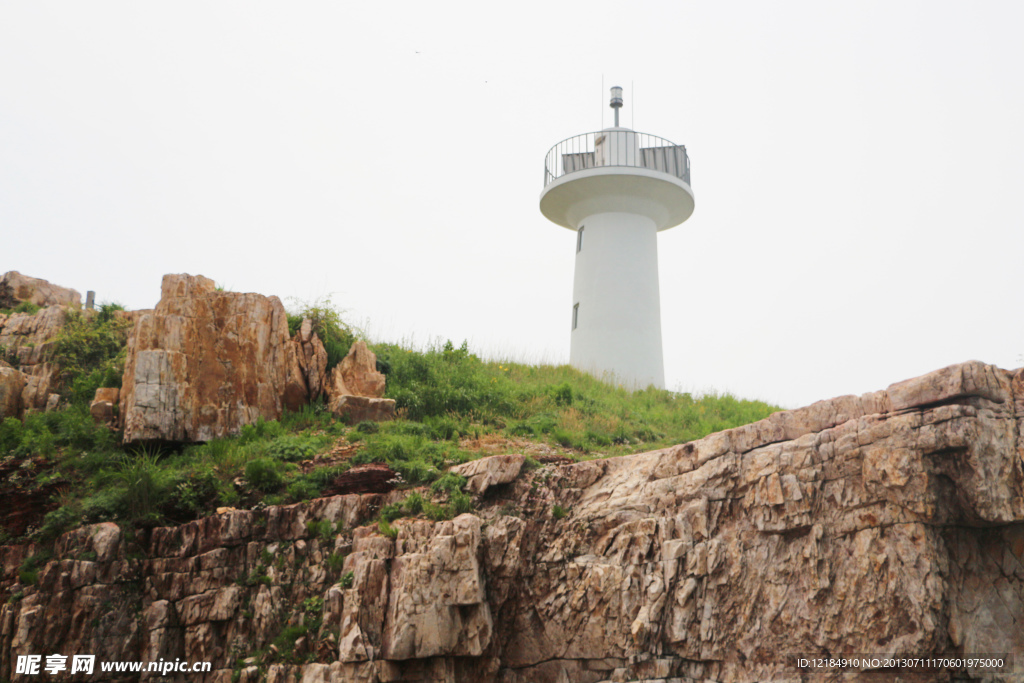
x=891, y=523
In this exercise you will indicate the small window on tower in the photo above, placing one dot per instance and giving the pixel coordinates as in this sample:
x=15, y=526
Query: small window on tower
x=575, y=315
x=579, y=240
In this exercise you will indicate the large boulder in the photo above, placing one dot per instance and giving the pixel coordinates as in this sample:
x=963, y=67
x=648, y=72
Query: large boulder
x=487, y=472
x=356, y=374
x=104, y=405
x=16, y=288
x=355, y=388
x=204, y=363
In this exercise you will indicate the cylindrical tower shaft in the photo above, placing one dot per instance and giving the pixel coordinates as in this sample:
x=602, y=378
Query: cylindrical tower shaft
x=617, y=304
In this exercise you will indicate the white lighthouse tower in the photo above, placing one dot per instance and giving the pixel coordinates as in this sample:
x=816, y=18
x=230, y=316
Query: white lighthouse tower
x=617, y=189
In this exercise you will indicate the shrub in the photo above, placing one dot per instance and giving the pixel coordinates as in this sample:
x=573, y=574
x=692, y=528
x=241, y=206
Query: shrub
x=564, y=438
x=27, y=307
x=449, y=483
x=58, y=521
x=413, y=504
x=335, y=334
x=11, y=431
x=386, y=529
x=260, y=430
x=445, y=427
x=105, y=313
x=263, y=474
x=558, y=512
x=562, y=394
x=295, y=448
x=302, y=489
x=346, y=579
x=335, y=562
x=285, y=641
x=196, y=491
x=313, y=415
x=90, y=353
x=460, y=503
x=144, y=485
x=102, y=506
x=321, y=529
x=28, y=572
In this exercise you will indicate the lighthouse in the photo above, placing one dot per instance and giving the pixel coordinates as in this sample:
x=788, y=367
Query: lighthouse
x=617, y=189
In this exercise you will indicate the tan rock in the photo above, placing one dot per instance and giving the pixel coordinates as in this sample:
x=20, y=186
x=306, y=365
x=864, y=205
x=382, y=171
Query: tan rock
x=28, y=338
x=312, y=358
x=12, y=383
x=40, y=380
x=111, y=394
x=358, y=409
x=204, y=363
x=356, y=374
x=355, y=387
x=103, y=412
x=486, y=472
x=17, y=287
x=437, y=604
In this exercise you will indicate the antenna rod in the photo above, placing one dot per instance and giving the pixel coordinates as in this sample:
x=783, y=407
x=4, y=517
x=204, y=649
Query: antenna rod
x=616, y=102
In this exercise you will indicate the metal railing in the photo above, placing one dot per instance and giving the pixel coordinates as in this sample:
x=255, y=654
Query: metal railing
x=616, y=148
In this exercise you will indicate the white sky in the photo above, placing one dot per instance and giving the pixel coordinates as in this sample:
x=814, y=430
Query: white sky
x=857, y=169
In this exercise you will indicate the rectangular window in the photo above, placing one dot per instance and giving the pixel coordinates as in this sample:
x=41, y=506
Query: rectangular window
x=575, y=315
x=579, y=240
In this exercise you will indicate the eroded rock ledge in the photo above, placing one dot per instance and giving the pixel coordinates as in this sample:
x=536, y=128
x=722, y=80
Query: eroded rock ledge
x=891, y=523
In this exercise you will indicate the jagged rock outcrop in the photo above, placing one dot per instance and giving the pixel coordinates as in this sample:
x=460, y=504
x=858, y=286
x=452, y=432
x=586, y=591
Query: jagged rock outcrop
x=355, y=388
x=312, y=358
x=886, y=524
x=204, y=363
x=16, y=288
x=27, y=338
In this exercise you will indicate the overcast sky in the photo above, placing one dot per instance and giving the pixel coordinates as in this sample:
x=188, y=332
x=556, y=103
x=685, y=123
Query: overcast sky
x=857, y=169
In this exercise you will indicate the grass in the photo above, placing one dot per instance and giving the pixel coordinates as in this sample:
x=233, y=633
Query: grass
x=450, y=404
x=448, y=388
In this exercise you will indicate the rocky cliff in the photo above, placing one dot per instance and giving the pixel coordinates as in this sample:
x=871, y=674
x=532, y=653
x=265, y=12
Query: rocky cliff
x=886, y=524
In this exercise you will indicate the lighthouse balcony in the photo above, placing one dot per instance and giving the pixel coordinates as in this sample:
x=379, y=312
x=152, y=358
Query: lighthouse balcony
x=616, y=147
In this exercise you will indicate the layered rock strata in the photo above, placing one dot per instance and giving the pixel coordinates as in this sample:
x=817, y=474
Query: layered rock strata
x=203, y=363
x=886, y=524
